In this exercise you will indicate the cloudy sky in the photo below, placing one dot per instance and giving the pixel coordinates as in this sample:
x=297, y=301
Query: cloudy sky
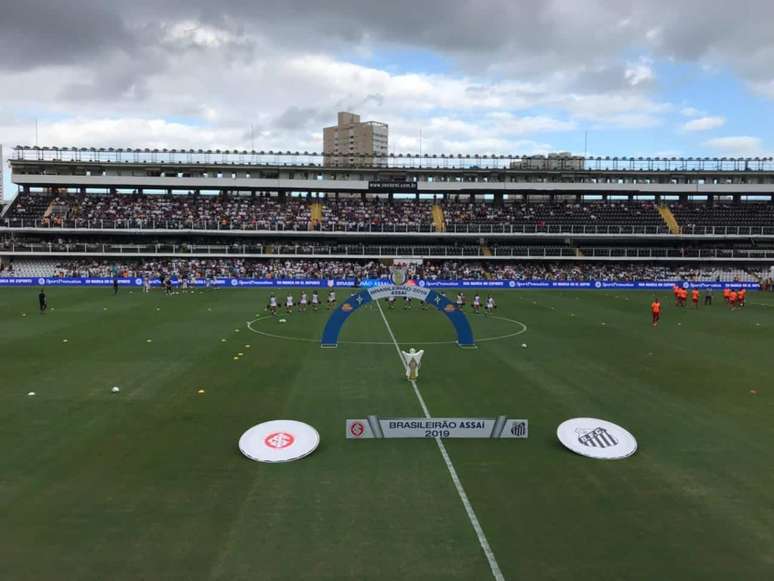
x=650, y=77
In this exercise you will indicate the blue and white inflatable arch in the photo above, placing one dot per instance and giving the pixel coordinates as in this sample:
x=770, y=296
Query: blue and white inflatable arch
x=330, y=336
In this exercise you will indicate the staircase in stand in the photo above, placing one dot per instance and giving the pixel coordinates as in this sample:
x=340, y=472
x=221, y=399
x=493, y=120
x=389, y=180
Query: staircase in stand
x=669, y=219
x=439, y=222
x=316, y=216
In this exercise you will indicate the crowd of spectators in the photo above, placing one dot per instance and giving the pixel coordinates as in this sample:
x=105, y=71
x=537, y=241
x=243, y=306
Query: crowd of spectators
x=353, y=213
x=553, y=271
x=218, y=267
x=544, y=214
x=692, y=217
x=218, y=212
x=143, y=245
x=320, y=269
x=29, y=206
x=182, y=211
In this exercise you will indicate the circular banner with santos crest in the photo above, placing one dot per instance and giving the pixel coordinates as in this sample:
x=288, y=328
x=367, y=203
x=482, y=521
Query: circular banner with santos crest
x=596, y=438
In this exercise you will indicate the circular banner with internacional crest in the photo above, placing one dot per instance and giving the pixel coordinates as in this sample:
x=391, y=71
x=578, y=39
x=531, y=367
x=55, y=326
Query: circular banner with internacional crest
x=595, y=438
x=279, y=441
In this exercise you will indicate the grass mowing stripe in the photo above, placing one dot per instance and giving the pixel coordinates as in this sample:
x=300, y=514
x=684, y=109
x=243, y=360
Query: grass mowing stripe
x=482, y=540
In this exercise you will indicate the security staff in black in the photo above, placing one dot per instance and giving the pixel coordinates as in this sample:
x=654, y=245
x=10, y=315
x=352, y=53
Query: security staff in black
x=43, y=301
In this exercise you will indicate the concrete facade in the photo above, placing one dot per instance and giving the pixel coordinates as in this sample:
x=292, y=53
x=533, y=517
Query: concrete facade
x=352, y=143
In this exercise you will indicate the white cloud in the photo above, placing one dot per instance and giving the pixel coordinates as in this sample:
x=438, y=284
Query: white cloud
x=765, y=88
x=290, y=98
x=654, y=35
x=124, y=132
x=190, y=33
x=510, y=123
x=704, y=123
x=735, y=145
x=639, y=73
x=622, y=111
x=691, y=112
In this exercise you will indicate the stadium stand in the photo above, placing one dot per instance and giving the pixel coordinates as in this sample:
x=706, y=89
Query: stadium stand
x=170, y=211
x=354, y=214
x=507, y=221
x=383, y=248
x=359, y=269
x=700, y=218
x=364, y=215
x=28, y=206
x=543, y=216
x=31, y=268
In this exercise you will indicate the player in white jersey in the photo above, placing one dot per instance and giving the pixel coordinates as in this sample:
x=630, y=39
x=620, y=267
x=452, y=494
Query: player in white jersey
x=476, y=303
x=273, y=304
x=490, y=304
x=460, y=300
x=315, y=300
x=390, y=302
x=289, y=303
x=406, y=303
x=146, y=284
x=331, y=299
x=303, y=301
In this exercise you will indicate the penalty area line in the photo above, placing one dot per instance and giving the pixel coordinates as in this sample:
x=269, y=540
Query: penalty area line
x=482, y=540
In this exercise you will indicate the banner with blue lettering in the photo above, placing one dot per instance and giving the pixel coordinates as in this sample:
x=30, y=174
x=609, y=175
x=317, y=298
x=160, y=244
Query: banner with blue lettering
x=350, y=283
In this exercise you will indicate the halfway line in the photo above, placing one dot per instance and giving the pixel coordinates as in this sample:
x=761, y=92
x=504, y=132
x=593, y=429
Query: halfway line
x=496, y=573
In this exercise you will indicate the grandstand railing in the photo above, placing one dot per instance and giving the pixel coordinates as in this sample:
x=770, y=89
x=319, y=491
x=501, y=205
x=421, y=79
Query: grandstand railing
x=516, y=229
x=272, y=158
x=379, y=251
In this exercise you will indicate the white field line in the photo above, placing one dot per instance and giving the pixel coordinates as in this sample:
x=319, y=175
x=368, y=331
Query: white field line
x=453, y=342
x=496, y=573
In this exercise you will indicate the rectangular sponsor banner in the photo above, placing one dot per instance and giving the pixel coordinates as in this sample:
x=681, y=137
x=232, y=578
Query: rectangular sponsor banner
x=410, y=291
x=584, y=284
x=392, y=187
x=377, y=427
x=196, y=282
x=382, y=288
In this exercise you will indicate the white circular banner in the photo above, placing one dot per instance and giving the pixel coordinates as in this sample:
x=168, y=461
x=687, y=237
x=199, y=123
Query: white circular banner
x=279, y=441
x=596, y=438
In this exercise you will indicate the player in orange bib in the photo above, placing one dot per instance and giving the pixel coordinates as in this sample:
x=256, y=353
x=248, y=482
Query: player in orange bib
x=740, y=297
x=683, y=297
x=726, y=293
x=676, y=292
x=695, y=298
x=655, y=311
x=732, y=296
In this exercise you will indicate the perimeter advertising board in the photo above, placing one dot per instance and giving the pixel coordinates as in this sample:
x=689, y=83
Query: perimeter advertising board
x=414, y=288
x=378, y=427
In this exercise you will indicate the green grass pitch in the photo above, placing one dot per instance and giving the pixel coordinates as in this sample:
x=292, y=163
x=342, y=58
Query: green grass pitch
x=149, y=483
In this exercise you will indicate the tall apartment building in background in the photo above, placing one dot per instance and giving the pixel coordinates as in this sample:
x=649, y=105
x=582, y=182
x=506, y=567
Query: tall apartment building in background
x=353, y=143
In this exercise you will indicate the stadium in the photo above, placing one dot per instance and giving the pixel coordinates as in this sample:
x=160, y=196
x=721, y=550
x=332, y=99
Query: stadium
x=167, y=333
